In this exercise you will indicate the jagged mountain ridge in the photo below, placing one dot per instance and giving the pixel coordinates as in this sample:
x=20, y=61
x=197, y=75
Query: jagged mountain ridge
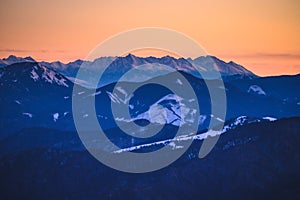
x=34, y=95
x=14, y=59
x=147, y=68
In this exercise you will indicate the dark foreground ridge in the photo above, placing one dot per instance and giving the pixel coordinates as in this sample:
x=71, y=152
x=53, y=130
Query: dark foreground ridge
x=254, y=161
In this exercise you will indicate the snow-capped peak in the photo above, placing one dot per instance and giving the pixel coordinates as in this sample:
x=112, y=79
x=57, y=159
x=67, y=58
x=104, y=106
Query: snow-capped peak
x=34, y=71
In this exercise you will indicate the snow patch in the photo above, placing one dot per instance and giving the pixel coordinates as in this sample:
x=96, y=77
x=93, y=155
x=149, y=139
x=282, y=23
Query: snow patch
x=172, y=142
x=121, y=90
x=256, y=89
x=179, y=81
x=223, y=88
x=202, y=119
x=237, y=122
x=34, y=75
x=219, y=119
x=169, y=110
x=96, y=93
x=271, y=119
x=55, y=117
x=114, y=97
x=174, y=146
x=28, y=114
x=122, y=119
x=51, y=76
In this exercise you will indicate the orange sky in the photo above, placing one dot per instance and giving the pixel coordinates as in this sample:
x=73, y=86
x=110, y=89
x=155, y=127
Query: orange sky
x=264, y=36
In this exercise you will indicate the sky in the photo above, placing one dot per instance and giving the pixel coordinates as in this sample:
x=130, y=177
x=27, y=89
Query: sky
x=263, y=36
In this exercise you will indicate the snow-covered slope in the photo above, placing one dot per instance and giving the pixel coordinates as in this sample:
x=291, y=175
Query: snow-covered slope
x=31, y=94
x=142, y=69
x=170, y=109
x=175, y=143
x=34, y=71
x=211, y=64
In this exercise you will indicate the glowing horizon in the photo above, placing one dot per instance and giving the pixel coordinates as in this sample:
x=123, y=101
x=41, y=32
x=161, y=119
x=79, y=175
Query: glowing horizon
x=261, y=36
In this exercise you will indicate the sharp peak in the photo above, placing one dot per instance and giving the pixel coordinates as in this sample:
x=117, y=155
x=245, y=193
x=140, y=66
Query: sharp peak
x=11, y=57
x=29, y=58
x=234, y=63
x=130, y=55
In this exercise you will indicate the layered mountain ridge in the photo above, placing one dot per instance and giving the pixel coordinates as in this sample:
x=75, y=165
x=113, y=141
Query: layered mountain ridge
x=42, y=155
x=142, y=69
x=35, y=95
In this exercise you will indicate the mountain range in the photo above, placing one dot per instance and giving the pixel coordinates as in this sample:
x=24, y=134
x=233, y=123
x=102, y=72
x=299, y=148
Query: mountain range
x=35, y=95
x=144, y=68
x=256, y=155
x=14, y=59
